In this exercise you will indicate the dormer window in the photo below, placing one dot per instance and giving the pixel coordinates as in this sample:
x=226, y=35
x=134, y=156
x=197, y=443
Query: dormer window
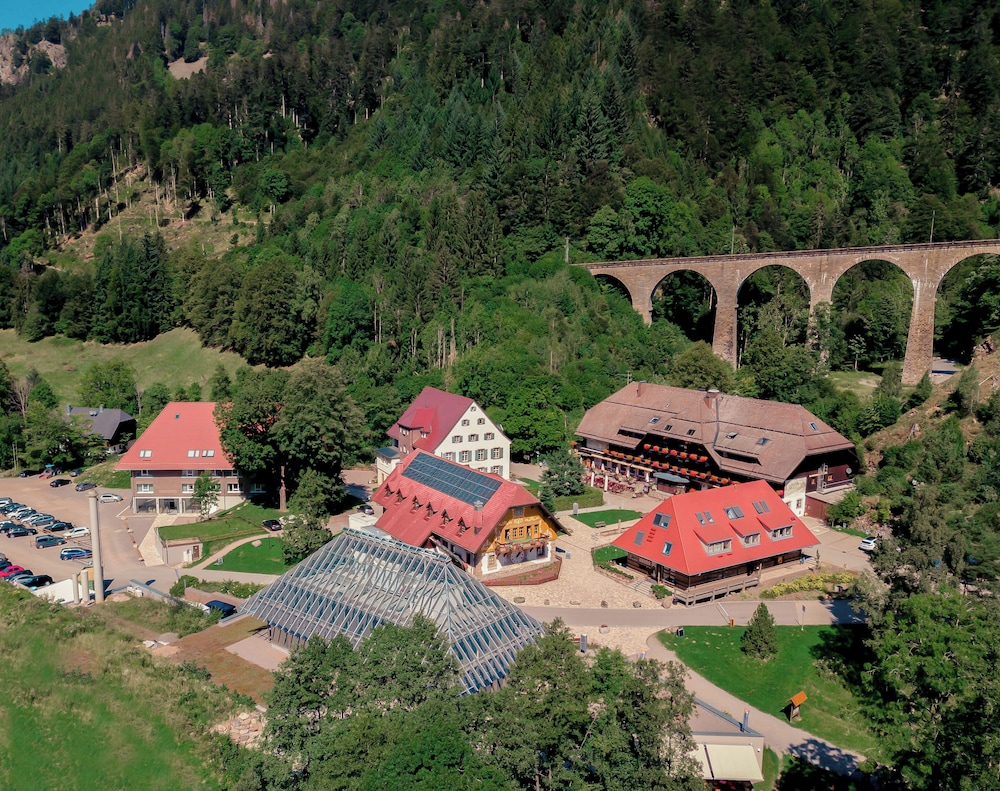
x=718, y=547
x=751, y=540
x=781, y=532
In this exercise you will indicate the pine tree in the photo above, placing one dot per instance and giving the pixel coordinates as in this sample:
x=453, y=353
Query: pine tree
x=760, y=639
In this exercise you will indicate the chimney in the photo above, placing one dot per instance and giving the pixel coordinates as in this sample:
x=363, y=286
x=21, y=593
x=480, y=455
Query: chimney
x=638, y=388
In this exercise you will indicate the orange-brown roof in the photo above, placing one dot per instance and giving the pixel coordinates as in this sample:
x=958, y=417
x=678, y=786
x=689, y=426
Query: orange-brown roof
x=182, y=437
x=748, y=437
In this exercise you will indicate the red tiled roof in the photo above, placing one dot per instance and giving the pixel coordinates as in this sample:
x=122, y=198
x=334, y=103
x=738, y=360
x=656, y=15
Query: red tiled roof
x=434, y=412
x=688, y=537
x=181, y=428
x=413, y=511
x=744, y=436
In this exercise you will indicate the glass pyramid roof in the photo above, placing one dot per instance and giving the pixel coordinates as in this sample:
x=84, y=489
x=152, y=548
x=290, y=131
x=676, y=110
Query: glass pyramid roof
x=364, y=578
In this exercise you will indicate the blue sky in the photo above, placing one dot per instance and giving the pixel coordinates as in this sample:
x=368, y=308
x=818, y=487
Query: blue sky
x=26, y=12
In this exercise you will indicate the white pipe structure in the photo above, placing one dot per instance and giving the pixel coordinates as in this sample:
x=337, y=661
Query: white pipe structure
x=76, y=588
x=95, y=538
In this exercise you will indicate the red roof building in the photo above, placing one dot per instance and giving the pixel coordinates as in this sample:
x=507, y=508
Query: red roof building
x=479, y=519
x=180, y=444
x=713, y=542
x=450, y=426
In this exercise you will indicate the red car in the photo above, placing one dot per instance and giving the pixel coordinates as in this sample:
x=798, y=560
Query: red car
x=11, y=570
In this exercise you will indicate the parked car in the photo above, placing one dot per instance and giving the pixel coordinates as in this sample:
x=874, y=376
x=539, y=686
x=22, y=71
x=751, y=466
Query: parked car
x=55, y=483
x=5, y=564
x=18, y=531
x=11, y=570
x=26, y=474
x=20, y=575
x=224, y=608
x=41, y=542
x=48, y=472
x=76, y=472
x=35, y=582
x=10, y=507
x=22, y=512
x=75, y=553
x=58, y=527
x=868, y=544
x=5, y=501
x=110, y=497
x=366, y=509
x=77, y=532
x=85, y=485
x=272, y=524
x=5, y=526
x=40, y=520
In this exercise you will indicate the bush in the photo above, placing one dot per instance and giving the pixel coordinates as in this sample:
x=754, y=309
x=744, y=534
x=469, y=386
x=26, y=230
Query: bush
x=810, y=582
x=661, y=591
x=241, y=590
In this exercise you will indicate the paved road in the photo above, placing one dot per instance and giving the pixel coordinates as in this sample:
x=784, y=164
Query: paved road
x=785, y=613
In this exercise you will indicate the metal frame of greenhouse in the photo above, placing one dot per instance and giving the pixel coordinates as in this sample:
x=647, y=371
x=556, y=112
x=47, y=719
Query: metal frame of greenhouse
x=364, y=578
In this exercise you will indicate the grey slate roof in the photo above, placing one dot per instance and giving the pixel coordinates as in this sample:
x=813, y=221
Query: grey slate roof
x=364, y=578
x=102, y=422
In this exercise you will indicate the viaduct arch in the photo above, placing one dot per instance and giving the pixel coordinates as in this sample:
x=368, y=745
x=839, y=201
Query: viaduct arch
x=925, y=265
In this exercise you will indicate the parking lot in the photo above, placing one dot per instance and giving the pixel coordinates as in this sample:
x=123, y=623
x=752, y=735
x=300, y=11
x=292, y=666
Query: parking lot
x=68, y=505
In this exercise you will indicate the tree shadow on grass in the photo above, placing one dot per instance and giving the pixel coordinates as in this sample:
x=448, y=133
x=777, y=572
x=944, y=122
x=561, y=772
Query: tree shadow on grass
x=802, y=775
x=842, y=649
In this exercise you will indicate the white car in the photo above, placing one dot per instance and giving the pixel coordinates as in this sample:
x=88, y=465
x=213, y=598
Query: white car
x=110, y=497
x=77, y=532
x=868, y=544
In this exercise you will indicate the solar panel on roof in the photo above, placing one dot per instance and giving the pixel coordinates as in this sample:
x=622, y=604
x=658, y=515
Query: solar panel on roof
x=461, y=483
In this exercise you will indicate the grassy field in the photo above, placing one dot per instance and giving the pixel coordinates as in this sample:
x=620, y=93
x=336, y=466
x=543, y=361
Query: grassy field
x=84, y=708
x=265, y=559
x=589, y=499
x=160, y=617
x=174, y=358
x=608, y=553
x=611, y=516
x=831, y=712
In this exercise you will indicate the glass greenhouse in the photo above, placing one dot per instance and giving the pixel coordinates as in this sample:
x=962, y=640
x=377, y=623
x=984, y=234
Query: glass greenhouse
x=364, y=578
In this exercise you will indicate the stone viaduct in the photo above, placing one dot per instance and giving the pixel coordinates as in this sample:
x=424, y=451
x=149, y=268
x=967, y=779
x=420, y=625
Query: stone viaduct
x=924, y=264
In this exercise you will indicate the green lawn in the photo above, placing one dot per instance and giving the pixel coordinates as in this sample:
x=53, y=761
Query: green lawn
x=84, y=707
x=174, y=358
x=608, y=553
x=831, y=712
x=228, y=527
x=610, y=516
x=265, y=559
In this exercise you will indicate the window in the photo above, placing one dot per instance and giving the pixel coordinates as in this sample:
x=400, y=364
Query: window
x=518, y=511
x=731, y=435
x=708, y=516
x=761, y=507
x=234, y=488
x=189, y=473
x=691, y=432
x=192, y=454
x=667, y=546
x=145, y=454
x=404, y=431
x=257, y=488
x=718, y=547
x=662, y=520
x=669, y=426
x=733, y=512
x=144, y=474
x=473, y=438
x=496, y=453
x=489, y=435
x=481, y=454
x=763, y=441
x=654, y=420
x=640, y=536
x=187, y=488
x=751, y=540
x=497, y=470
x=700, y=517
x=465, y=422
x=814, y=427
x=144, y=488
x=208, y=454
x=465, y=456
x=456, y=439
x=449, y=456
x=423, y=435
x=481, y=421
x=781, y=532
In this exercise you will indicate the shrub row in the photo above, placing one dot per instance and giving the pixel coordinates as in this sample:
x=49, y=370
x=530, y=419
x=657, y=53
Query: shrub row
x=808, y=583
